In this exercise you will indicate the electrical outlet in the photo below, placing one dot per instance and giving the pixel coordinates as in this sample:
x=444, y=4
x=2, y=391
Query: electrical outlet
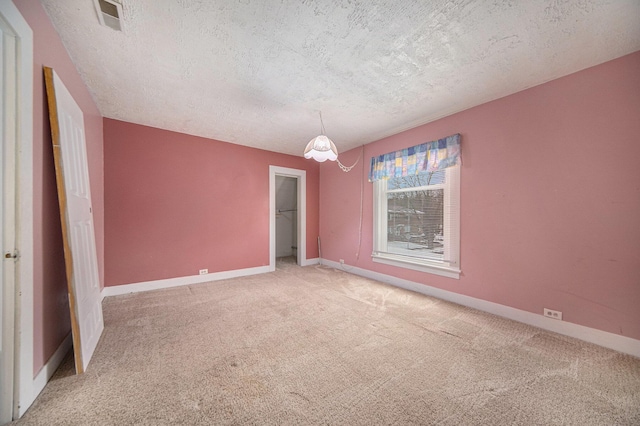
x=204, y=271
x=552, y=314
x=342, y=261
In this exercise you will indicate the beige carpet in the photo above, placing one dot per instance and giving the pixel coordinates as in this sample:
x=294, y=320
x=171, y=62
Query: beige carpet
x=315, y=345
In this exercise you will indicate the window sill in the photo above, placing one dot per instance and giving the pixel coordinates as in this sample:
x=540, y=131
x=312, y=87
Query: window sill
x=428, y=267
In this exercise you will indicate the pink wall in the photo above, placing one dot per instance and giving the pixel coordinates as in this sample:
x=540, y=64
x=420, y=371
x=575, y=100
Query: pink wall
x=175, y=204
x=550, y=199
x=51, y=309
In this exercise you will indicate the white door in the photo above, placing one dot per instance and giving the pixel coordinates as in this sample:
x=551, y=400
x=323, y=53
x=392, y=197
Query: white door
x=7, y=217
x=74, y=194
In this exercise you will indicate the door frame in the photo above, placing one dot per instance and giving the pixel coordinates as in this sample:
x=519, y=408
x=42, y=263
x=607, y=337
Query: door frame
x=23, y=377
x=301, y=188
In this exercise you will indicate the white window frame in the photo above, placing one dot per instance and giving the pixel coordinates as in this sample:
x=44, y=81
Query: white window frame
x=450, y=267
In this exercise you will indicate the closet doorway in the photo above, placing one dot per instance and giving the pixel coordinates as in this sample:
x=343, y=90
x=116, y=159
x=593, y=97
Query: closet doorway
x=287, y=193
x=286, y=217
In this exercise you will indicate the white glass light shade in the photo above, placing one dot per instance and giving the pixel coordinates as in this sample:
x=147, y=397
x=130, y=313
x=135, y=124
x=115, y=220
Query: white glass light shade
x=321, y=149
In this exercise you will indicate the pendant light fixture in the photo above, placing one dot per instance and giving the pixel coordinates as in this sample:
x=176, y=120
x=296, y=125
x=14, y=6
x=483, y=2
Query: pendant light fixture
x=321, y=148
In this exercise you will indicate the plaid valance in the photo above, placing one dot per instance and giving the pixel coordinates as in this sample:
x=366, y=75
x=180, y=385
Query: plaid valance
x=423, y=158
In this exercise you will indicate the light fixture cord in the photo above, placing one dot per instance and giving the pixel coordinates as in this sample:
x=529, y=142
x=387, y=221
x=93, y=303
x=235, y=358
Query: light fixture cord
x=362, y=177
x=361, y=205
x=321, y=124
x=348, y=169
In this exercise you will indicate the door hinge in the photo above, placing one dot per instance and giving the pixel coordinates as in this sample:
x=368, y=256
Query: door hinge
x=12, y=254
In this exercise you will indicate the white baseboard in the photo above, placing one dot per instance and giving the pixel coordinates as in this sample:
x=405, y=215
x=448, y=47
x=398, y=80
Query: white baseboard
x=43, y=376
x=310, y=262
x=193, y=279
x=181, y=281
x=613, y=341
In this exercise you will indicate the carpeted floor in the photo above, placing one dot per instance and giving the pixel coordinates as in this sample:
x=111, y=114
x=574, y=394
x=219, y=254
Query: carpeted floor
x=315, y=345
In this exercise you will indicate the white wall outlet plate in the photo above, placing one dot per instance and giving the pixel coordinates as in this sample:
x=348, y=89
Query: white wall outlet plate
x=204, y=271
x=552, y=314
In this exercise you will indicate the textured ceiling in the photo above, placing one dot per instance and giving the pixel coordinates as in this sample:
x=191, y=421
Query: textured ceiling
x=256, y=72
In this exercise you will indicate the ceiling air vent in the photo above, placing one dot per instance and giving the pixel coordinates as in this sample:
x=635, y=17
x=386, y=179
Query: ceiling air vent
x=109, y=13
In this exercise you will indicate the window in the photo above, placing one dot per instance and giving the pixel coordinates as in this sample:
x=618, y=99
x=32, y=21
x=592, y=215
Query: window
x=417, y=221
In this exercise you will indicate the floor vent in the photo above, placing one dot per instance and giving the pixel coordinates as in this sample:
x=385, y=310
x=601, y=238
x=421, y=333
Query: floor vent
x=109, y=13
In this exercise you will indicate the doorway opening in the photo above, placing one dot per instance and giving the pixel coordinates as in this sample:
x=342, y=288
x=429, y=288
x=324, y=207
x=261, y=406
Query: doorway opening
x=286, y=220
x=287, y=213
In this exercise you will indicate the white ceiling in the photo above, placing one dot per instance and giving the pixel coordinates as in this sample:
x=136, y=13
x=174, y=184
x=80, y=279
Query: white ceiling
x=256, y=72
